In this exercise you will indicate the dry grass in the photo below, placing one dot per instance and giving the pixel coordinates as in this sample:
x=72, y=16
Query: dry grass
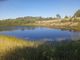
x=9, y=44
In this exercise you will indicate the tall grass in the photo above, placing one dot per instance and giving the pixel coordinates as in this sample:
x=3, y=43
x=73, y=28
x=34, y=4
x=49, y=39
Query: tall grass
x=16, y=49
x=10, y=44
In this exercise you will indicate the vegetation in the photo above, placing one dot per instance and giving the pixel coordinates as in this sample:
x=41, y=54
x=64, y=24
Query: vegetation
x=16, y=49
x=77, y=14
x=58, y=16
x=67, y=22
x=22, y=21
x=10, y=45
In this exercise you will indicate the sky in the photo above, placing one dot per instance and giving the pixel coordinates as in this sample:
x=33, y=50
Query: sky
x=44, y=8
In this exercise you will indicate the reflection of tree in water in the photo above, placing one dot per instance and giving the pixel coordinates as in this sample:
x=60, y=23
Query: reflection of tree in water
x=28, y=28
x=70, y=30
x=16, y=28
x=74, y=34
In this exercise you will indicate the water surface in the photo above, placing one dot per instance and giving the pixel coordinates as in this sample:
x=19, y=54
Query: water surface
x=39, y=33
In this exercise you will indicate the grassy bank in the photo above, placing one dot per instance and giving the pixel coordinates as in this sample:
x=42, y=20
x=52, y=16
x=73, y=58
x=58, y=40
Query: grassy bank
x=11, y=44
x=12, y=48
x=71, y=23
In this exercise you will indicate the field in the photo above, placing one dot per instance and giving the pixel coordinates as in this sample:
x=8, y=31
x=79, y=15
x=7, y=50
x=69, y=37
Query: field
x=12, y=48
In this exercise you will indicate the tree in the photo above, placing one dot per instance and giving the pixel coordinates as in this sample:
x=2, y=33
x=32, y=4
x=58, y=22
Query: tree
x=77, y=14
x=66, y=17
x=58, y=16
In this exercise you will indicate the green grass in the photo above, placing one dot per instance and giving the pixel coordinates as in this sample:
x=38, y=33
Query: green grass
x=12, y=48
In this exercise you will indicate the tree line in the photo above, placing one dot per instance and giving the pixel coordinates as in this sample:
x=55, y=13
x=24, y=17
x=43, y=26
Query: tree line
x=30, y=19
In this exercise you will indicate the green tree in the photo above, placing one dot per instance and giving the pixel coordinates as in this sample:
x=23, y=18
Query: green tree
x=66, y=17
x=77, y=14
x=58, y=16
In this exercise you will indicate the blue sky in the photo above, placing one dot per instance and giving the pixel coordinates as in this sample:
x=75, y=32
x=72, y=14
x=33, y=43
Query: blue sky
x=45, y=8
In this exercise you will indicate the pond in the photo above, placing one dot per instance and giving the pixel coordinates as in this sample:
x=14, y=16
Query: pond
x=39, y=33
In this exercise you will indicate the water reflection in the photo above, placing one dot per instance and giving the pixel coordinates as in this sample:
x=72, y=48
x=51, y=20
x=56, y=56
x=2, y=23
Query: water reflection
x=16, y=28
x=40, y=33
